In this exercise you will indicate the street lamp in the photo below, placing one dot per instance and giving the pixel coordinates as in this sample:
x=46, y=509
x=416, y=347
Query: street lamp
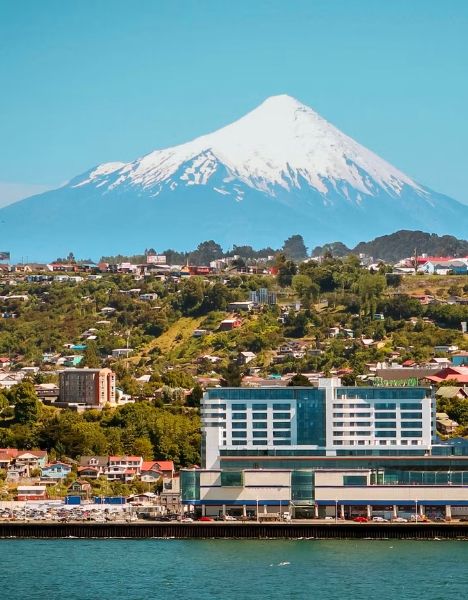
x=336, y=511
x=257, y=510
x=416, y=515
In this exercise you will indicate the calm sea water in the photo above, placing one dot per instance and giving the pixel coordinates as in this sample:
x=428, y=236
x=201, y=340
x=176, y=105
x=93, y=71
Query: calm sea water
x=222, y=569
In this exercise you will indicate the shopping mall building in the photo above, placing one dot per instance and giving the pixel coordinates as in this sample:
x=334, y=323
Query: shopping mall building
x=326, y=450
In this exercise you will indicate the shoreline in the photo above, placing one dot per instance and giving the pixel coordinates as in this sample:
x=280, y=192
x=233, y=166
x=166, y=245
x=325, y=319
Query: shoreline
x=250, y=530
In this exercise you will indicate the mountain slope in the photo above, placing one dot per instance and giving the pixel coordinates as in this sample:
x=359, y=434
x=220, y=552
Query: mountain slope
x=279, y=170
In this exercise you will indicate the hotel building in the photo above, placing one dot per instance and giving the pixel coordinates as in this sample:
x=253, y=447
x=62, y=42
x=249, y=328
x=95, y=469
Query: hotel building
x=323, y=451
x=330, y=420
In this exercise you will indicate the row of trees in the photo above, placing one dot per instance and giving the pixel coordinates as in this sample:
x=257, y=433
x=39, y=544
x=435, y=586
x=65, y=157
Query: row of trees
x=140, y=429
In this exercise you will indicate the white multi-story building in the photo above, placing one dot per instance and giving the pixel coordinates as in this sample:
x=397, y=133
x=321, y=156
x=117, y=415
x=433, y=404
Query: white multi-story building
x=330, y=420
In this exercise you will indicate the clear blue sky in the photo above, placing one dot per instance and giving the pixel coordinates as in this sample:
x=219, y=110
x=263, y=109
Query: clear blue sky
x=92, y=81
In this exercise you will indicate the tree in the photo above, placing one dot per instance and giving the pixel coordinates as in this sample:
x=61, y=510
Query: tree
x=206, y=252
x=286, y=270
x=299, y=380
x=26, y=404
x=142, y=446
x=91, y=356
x=231, y=375
x=26, y=410
x=294, y=248
x=4, y=404
x=196, y=396
x=305, y=288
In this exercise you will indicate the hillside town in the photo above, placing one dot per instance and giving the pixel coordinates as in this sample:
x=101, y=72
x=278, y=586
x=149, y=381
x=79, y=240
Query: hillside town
x=105, y=367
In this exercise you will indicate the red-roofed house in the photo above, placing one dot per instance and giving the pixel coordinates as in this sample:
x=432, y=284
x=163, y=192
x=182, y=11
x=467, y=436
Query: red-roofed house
x=123, y=468
x=152, y=470
x=459, y=374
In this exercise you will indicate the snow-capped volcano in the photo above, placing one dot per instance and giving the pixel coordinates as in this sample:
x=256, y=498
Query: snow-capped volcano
x=279, y=170
x=280, y=143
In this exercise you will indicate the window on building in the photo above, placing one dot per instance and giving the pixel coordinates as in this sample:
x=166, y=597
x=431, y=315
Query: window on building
x=281, y=425
x=385, y=434
x=259, y=434
x=281, y=415
x=259, y=406
x=259, y=425
x=281, y=434
x=260, y=415
x=238, y=416
x=385, y=415
x=384, y=405
x=239, y=407
x=239, y=425
x=410, y=406
x=350, y=480
x=281, y=406
x=411, y=424
x=411, y=415
x=239, y=434
x=281, y=442
x=232, y=478
x=385, y=424
x=412, y=434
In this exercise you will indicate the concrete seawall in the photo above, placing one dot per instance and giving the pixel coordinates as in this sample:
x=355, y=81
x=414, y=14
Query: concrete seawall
x=418, y=531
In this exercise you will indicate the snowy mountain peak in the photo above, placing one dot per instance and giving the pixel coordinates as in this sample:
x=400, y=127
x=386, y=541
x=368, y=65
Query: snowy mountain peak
x=279, y=170
x=280, y=145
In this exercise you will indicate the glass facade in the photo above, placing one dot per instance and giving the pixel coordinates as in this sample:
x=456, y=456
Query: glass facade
x=190, y=485
x=232, y=479
x=310, y=417
x=302, y=486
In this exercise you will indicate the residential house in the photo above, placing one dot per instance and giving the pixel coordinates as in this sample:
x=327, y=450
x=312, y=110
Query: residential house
x=444, y=267
x=460, y=359
x=445, y=425
x=445, y=349
x=92, y=467
x=56, y=470
x=123, y=468
x=240, y=306
x=170, y=494
x=458, y=374
x=153, y=470
x=230, y=324
x=149, y=472
x=244, y=358
x=442, y=363
x=31, y=492
x=452, y=392
x=119, y=352
x=32, y=459
x=80, y=488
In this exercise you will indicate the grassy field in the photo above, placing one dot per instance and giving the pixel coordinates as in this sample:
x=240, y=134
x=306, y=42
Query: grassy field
x=437, y=284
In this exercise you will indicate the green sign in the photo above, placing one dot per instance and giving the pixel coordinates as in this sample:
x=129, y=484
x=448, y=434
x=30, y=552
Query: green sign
x=410, y=382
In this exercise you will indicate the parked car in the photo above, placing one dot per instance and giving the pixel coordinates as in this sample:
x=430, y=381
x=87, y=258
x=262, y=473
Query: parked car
x=204, y=519
x=400, y=520
x=379, y=520
x=360, y=519
x=229, y=518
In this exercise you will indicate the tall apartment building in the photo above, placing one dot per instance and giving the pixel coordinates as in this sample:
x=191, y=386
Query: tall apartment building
x=92, y=387
x=263, y=296
x=331, y=421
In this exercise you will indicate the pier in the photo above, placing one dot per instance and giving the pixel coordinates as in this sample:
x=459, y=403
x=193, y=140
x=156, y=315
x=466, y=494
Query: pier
x=251, y=530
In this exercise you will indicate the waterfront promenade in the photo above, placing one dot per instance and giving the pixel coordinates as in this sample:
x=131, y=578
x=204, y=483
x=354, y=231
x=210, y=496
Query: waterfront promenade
x=236, y=530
